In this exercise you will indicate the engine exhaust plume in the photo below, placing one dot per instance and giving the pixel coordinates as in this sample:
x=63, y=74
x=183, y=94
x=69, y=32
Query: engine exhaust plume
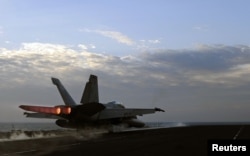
x=42, y=109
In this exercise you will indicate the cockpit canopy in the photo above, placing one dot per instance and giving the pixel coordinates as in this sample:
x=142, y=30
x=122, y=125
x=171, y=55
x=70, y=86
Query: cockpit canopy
x=114, y=104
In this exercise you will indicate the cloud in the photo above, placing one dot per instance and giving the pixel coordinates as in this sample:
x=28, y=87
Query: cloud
x=213, y=64
x=205, y=64
x=142, y=45
x=82, y=46
x=154, y=41
x=118, y=36
x=190, y=83
x=86, y=47
x=146, y=45
x=92, y=46
x=201, y=28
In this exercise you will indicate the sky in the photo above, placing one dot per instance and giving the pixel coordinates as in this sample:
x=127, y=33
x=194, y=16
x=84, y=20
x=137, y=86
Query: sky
x=190, y=58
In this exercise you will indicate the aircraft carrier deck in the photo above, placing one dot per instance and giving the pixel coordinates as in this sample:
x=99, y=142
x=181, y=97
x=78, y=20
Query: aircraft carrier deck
x=177, y=141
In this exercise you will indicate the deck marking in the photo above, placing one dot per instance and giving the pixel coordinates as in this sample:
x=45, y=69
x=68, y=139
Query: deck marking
x=238, y=133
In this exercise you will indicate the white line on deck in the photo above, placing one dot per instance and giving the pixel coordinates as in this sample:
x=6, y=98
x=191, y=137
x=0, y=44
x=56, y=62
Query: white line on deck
x=238, y=133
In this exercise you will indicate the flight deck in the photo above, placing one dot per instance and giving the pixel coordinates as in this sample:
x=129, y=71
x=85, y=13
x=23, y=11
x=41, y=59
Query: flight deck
x=190, y=140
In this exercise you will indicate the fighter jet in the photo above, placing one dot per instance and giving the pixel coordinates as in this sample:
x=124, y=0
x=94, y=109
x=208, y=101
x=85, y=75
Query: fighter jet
x=89, y=112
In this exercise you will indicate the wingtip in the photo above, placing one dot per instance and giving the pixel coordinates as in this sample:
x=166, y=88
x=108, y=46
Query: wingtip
x=159, y=110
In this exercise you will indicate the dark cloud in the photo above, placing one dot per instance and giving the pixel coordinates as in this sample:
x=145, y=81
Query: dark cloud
x=205, y=58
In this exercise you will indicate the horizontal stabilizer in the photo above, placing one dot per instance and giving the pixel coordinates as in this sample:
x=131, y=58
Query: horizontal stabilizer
x=42, y=115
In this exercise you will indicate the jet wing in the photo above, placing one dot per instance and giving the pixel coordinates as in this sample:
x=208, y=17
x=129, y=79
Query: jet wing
x=42, y=115
x=124, y=113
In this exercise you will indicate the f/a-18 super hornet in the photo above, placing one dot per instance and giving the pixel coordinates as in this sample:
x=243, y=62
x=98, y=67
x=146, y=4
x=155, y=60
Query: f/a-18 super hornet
x=89, y=112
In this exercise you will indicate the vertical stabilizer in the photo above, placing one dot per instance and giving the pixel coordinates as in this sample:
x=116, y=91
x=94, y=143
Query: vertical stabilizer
x=90, y=93
x=65, y=95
